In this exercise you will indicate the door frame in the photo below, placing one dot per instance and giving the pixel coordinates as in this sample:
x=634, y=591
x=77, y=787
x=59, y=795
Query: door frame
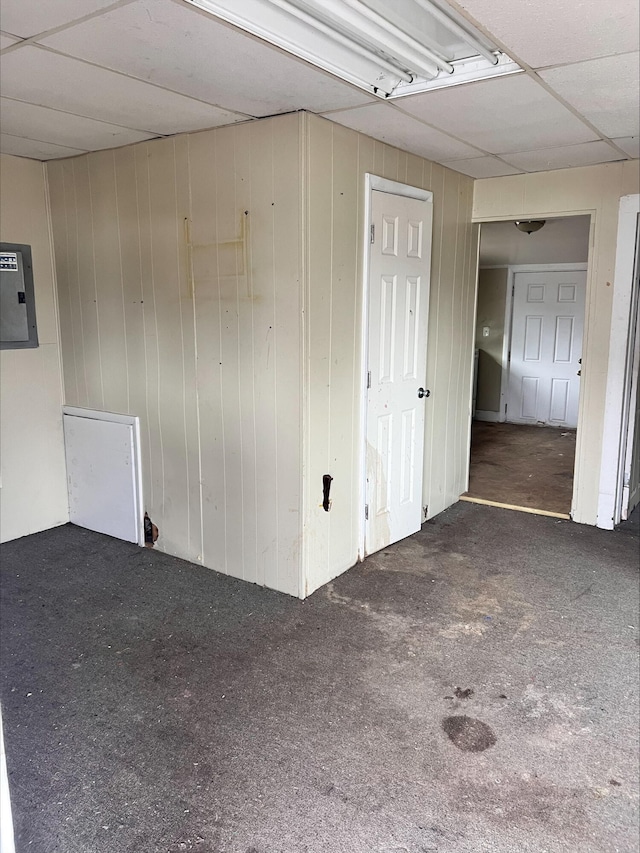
x=378, y=184
x=620, y=368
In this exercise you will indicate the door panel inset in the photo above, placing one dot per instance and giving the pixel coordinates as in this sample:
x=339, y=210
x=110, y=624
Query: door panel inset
x=564, y=340
x=414, y=240
x=536, y=293
x=559, y=400
x=529, y=397
x=411, y=327
x=383, y=467
x=532, y=339
x=387, y=326
x=407, y=455
x=390, y=235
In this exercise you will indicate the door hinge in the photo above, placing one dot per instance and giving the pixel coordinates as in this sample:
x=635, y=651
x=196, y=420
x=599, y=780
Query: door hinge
x=368, y=379
x=372, y=233
x=366, y=512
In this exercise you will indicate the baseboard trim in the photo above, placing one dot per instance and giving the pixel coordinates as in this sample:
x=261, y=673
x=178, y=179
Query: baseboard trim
x=528, y=509
x=492, y=417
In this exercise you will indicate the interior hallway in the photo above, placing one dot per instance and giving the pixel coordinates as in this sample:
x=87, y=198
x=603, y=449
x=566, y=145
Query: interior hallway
x=525, y=466
x=472, y=688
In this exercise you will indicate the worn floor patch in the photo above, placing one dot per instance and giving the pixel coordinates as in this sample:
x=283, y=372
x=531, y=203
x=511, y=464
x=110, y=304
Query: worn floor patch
x=468, y=734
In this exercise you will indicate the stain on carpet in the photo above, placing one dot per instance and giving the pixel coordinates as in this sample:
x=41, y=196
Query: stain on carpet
x=468, y=734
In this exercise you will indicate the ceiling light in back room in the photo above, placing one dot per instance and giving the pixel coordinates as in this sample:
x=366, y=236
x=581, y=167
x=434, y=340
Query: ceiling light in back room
x=529, y=226
x=388, y=49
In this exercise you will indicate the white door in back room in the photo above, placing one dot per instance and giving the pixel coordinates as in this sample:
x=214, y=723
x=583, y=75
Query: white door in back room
x=546, y=347
x=398, y=304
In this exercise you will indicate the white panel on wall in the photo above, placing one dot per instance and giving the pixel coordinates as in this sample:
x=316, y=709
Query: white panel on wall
x=103, y=474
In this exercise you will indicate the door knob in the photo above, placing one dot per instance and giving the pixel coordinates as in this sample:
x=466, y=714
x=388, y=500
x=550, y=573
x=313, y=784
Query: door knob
x=423, y=392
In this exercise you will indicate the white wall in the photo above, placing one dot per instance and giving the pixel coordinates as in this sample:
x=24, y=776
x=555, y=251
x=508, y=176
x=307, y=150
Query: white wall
x=33, y=496
x=594, y=190
x=180, y=297
x=559, y=241
x=338, y=159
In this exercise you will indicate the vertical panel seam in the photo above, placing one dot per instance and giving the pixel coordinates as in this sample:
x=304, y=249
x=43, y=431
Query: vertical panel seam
x=95, y=280
x=84, y=358
x=195, y=356
x=144, y=326
x=124, y=311
x=220, y=368
x=155, y=317
x=179, y=237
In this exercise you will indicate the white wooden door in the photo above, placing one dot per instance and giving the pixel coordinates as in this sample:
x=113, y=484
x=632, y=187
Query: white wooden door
x=631, y=417
x=399, y=266
x=102, y=474
x=546, y=347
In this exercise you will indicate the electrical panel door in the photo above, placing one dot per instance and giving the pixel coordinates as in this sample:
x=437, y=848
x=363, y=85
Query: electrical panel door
x=17, y=305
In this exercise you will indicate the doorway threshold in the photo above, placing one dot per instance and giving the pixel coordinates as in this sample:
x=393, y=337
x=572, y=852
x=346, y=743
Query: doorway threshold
x=528, y=509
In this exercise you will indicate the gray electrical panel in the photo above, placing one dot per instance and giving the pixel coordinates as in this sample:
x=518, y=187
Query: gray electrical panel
x=17, y=302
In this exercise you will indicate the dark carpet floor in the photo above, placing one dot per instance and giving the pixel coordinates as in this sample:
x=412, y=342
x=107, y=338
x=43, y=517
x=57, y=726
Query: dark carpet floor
x=528, y=466
x=473, y=688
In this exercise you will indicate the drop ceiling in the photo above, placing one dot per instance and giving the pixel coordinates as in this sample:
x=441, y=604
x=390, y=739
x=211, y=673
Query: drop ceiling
x=85, y=75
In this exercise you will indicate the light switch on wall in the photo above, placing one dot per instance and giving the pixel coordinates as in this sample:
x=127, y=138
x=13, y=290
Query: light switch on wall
x=485, y=331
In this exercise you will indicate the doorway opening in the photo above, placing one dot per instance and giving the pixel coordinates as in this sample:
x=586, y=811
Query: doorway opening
x=528, y=364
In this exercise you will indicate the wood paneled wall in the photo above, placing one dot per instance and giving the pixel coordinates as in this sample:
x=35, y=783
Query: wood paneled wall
x=337, y=161
x=212, y=284
x=594, y=190
x=179, y=273
x=33, y=491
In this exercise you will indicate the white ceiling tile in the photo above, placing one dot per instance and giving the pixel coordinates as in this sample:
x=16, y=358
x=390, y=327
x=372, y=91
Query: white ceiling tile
x=53, y=80
x=630, y=145
x=383, y=122
x=606, y=91
x=566, y=157
x=34, y=149
x=39, y=123
x=549, y=32
x=28, y=17
x=7, y=40
x=482, y=167
x=511, y=113
x=189, y=52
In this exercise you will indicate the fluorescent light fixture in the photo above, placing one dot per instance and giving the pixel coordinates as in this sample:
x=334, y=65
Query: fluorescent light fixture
x=389, y=49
